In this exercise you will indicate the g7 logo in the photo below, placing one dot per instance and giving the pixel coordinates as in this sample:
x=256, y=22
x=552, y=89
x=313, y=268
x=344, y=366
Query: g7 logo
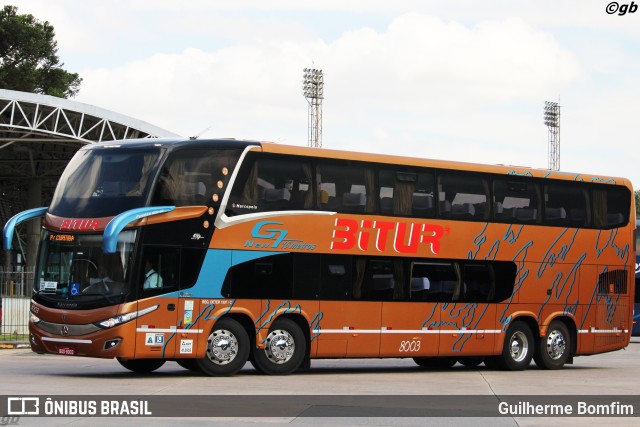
x=260, y=231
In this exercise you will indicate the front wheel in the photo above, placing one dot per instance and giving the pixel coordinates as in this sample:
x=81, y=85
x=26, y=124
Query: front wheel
x=553, y=349
x=284, y=349
x=141, y=366
x=517, y=351
x=227, y=349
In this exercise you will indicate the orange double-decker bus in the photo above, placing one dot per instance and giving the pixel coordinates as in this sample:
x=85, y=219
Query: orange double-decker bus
x=214, y=253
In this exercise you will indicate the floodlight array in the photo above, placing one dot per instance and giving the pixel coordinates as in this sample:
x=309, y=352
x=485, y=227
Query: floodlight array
x=313, y=84
x=551, y=114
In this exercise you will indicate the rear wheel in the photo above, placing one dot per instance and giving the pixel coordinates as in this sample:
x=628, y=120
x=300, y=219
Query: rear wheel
x=141, y=366
x=554, y=348
x=284, y=349
x=435, y=362
x=227, y=349
x=517, y=351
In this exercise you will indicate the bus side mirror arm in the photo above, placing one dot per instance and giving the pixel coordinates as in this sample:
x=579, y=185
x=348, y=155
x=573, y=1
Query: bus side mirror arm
x=119, y=222
x=10, y=226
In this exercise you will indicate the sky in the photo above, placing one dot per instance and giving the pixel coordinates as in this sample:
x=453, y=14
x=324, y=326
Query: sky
x=456, y=80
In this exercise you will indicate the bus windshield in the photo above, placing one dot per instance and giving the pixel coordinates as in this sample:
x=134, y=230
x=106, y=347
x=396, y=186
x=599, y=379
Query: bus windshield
x=105, y=181
x=74, y=272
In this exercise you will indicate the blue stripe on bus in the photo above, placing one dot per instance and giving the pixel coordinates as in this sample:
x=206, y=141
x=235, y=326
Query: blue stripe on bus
x=214, y=269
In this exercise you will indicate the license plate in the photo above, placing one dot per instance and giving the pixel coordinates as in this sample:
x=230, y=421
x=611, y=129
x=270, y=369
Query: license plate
x=67, y=351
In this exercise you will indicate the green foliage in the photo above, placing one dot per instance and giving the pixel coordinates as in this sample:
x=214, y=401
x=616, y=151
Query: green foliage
x=28, y=57
x=637, y=193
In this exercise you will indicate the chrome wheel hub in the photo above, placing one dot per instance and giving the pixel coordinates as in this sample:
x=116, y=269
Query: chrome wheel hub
x=280, y=346
x=222, y=347
x=556, y=345
x=519, y=346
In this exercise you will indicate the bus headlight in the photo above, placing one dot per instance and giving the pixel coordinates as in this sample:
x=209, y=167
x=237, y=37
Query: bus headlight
x=124, y=318
x=33, y=318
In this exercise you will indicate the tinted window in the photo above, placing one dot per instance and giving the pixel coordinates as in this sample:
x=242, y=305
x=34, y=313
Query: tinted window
x=406, y=193
x=462, y=196
x=346, y=187
x=611, y=206
x=378, y=279
x=102, y=182
x=273, y=183
x=336, y=277
x=516, y=201
x=479, y=282
x=160, y=270
x=566, y=205
x=434, y=281
x=193, y=177
x=268, y=277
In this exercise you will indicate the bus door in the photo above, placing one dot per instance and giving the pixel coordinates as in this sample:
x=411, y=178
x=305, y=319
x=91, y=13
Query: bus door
x=350, y=322
x=158, y=331
x=468, y=320
x=410, y=328
x=189, y=309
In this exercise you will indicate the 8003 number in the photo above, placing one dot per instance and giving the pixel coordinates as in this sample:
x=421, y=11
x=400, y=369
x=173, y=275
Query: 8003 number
x=409, y=346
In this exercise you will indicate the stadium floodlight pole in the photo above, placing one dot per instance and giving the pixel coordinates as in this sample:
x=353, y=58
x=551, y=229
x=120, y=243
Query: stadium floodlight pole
x=313, y=90
x=552, y=121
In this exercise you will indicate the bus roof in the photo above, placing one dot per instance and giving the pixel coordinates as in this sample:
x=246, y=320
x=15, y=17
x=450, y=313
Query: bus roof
x=276, y=148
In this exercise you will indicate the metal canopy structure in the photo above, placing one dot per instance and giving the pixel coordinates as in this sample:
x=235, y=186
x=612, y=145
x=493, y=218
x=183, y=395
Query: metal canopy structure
x=38, y=136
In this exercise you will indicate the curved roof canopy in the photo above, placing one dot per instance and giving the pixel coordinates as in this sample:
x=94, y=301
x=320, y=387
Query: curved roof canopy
x=39, y=134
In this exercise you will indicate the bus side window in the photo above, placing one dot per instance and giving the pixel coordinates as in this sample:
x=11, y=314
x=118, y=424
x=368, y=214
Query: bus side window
x=479, y=282
x=336, y=277
x=463, y=196
x=406, y=193
x=515, y=200
x=611, y=206
x=345, y=186
x=565, y=205
x=272, y=183
x=379, y=279
x=434, y=282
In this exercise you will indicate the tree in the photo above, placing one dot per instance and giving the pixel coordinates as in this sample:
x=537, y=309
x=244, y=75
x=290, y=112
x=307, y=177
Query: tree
x=637, y=193
x=28, y=57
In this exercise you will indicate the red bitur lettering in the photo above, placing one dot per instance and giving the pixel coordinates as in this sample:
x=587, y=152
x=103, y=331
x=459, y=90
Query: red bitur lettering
x=80, y=224
x=406, y=237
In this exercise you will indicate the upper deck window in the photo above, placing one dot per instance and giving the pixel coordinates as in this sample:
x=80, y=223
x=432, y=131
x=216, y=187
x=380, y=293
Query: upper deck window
x=105, y=181
x=192, y=177
x=271, y=184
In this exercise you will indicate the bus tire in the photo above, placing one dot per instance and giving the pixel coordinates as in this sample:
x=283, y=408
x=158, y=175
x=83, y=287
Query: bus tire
x=553, y=349
x=227, y=349
x=470, y=361
x=284, y=349
x=435, y=362
x=190, y=364
x=518, y=348
x=141, y=366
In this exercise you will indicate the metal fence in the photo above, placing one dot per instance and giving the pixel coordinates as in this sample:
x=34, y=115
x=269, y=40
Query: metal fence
x=15, y=290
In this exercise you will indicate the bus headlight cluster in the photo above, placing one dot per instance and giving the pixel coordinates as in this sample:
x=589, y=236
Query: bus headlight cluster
x=124, y=318
x=33, y=318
